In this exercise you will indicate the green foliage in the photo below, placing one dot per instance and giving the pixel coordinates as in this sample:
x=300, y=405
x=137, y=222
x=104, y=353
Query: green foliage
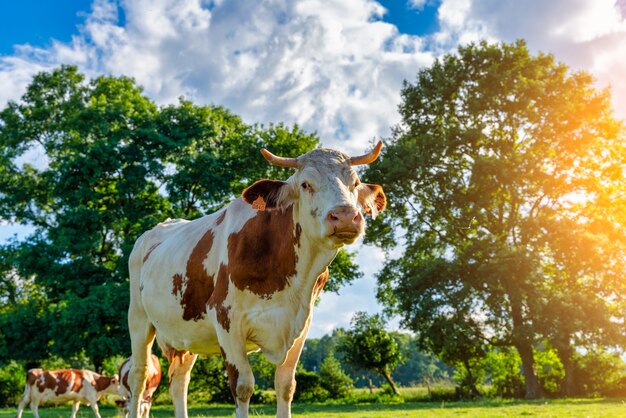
x=12, y=381
x=505, y=186
x=309, y=387
x=600, y=372
x=334, y=379
x=263, y=371
x=208, y=381
x=549, y=370
x=367, y=345
x=503, y=368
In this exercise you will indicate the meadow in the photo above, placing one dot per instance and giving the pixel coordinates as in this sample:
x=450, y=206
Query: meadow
x=600, y=407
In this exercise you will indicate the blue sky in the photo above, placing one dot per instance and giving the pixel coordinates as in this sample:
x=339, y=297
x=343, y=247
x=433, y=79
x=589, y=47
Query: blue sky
x=37, y=22
x=335, y=67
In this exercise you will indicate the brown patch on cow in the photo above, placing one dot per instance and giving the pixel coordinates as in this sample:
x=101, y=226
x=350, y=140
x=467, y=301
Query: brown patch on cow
x=124, y=374
x=216, y=301
x=32, y=375
x=102, y=382
x=145, y=257
x=46, y=381
x=262, y=194
x=320, y=283
x=199, y=285
x=177, y=284
x=261, y=255
x=298, y=233
x=259, y=203
x=233, y=375
x=63, y=378
x=125, y=380
x=153, y=380
x=78, y=381
x=220, y=218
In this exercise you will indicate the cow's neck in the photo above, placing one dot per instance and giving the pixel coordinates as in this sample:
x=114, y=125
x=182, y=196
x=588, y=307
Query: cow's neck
x=313, y=259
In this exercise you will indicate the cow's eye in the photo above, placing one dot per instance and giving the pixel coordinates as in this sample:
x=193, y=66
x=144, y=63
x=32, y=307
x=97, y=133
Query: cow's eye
x=356, y=183
x=306, y=186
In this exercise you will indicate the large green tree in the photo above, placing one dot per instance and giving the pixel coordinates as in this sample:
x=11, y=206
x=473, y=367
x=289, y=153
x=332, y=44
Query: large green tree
x=90, y=165
x=506, y=186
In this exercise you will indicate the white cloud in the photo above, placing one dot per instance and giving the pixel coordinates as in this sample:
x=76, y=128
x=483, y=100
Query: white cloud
x=587, y=35
x=331, y=66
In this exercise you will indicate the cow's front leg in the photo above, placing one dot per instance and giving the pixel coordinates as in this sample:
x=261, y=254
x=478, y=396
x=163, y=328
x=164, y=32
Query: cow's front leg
x=240, y=377
x=284, y=378
x=181, y=363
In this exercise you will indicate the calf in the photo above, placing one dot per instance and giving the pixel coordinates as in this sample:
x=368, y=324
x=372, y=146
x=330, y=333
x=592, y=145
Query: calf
x=56, y=386
x=152, y=383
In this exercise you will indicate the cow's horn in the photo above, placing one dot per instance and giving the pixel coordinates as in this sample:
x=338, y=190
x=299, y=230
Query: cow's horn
x=279, y=161
x=369, y=157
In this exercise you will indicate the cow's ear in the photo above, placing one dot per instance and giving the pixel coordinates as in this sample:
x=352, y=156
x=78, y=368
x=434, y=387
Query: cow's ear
x=268, y=194
x=372, y=198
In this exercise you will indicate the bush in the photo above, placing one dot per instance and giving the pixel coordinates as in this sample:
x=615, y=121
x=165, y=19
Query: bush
x=504, y=369
x=601, y=373
x=12, y=380
x=333, y=379
x=209, y=381
x=309, y=388
x=550, y=370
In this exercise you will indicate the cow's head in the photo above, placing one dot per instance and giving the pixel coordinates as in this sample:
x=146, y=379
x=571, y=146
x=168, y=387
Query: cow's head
x=114, y=385
x=328, y=198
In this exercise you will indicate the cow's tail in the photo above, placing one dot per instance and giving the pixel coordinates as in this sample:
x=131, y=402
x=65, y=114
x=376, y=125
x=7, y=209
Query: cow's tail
x=24, y=401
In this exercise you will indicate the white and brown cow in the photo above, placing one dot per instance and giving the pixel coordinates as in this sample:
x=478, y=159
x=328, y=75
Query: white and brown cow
x=68, y=385
x=152, y=383
x=246, y=277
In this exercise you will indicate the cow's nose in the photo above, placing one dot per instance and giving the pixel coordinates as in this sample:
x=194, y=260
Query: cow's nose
x=345, y=218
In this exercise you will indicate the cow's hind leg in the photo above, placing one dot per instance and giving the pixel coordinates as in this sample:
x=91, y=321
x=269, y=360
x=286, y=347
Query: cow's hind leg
x=75, y=407
x=34, y=406
x=181, y=363
x=142, y=337
x=23, y=401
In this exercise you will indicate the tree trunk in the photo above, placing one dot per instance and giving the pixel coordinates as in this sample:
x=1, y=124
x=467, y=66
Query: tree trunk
x=387, y=376
x=471, y=381
x=564, y=352
x=522, y=343
x=533, y=388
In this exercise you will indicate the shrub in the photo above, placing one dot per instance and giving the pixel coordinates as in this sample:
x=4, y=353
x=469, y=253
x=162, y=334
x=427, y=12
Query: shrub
x=504, y=369
x=601, y=373
x=549, y=370
x=333, y=379
x=309, y=388
x=12, y=380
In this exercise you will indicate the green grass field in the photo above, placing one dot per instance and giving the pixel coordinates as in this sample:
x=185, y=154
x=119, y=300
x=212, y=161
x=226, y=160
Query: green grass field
x=488, y=408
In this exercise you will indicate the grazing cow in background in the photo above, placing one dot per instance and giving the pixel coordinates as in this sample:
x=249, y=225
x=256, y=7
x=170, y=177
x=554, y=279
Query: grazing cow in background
x=56, y=386
x=246, y=277
x=152, y=383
